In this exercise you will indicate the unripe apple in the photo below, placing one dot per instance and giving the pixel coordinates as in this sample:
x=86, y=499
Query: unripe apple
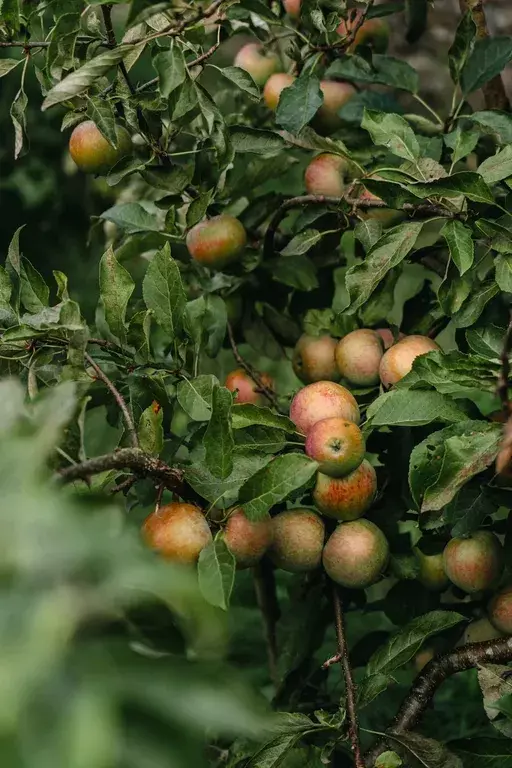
x=475, y=563
x=314, y=359
x=326, y=175
x=91, y=151
x=479, y=631
x=297, y=540
x=397, y=361
x=373, y=33
x=292, y=8
x=356, y=554
x=274, y=86
x=387, y=337
x=260, y=64
x=349, y=497
x=248, y=540
x=358, y=357
x=336, y=94
x=177, y=531
x=500, y=611
x=322, y=400
x=337, y=444
x=431, y=571
x=246, y=388
x=217, y=242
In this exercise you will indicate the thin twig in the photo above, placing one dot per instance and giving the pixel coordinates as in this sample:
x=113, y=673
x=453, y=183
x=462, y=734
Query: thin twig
x=159, y=495
x=128, y=420
x=426, y=209
x=358, y=17
x=124, y=486
x=106, y=11
x=504, y=377
x=265, y=588
x=350, y=691
x=432, y=677
x=494, y=90
x=140, y=463
x=24, y=44
x=262, y=387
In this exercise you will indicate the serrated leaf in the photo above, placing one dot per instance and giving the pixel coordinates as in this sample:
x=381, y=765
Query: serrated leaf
x=163, y=292
x=150, y=430
x=171, y=69
x=299, y=103
x=116, y=287
x=467, y=511
x=475, y=304
x=462, y=45
x=407, y=641
x=224, y=493
x=461, y=143
x=413, y=408
x=302, y=242
x=427, y=753
x=460, y=244
x=466, y=183
x=82, y=78
x=497, y=123
x=451, y=374
x=101, y=112
x=132, y=217
x=483, y=752
x=255, y=140
x=275, y=482
x=216, y=573
x=392, y=131
x=385, y=70
x=497, y=167
x=504, y=272
x=195, y=396
x=218, y=438
x=7, y=65
x=368, y=233
x=486, y=341
x=441, y=464
x=362, y=279
x=487, y=59
x=17, y=111
x=259, y=440
x=242, y=80
x=247, y=415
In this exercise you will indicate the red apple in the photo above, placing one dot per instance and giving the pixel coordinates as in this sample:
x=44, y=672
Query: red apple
x=246, y=388
x=177, y=531
x=326, y=175
x=358, y=356
x=257, y=62
x=314, y=359
x=274, y=86
x=322, y=400
x=217, y=242
x=248, y=540
x=349, y=497
x=337, y=444
x=397, y=361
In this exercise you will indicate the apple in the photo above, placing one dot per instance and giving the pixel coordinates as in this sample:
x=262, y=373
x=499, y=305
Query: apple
x=322, y=400
x=349, y=497
x=474, y=563
x=248, y=540
x=397, y=361
x=337, y=444
x=314, y=359
x=257, y=62
x=274, y=86
x=92, y=152
x=218, y=242
x=326, y=175
x=297, y=540
x=246, y=388
x=358, y=357
x=356, y=554
x=178, y=531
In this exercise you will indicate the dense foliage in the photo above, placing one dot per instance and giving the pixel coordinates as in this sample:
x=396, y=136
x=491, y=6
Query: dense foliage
x=277, y=206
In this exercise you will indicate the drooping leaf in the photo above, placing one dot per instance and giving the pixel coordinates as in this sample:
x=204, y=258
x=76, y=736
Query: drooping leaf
x=171, y=69
x=462, y=143
x=150, y=430
x=483, y=752
x=487, y=59
x=255, y=140
x=427, y=753
x=413, y=408
x=216, y=573
x=247, y=415
x=218, y=438
x=446, y=460
x=385, y=70
x=460, y=244
x=393, y=132
x=242, y=80
x=462, y=45
x=275, y=482
x=299, y=103
x=497, y=167
x=116, y=287
x=195, y=396
x=163, y=292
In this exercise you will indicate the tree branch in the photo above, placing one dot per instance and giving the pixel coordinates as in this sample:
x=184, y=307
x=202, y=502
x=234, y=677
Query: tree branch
x=137, y=461
x=265, y=588
x=494, y=91
x=356, y=20
x=252, y=372
x=128, y=420
x=350, y=691
x=426, y=209
x=106, y=11
x=432, y=677
x=24, y=44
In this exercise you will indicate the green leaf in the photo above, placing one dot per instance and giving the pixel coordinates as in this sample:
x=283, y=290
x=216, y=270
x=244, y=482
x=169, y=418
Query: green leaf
x=486, y=341
x=224, y=493
x=467, y=511
x=406, y=643
x=504, y=272
x=198, y=207
x=172, y=180
x=461, y=46
x=483, y=752
x=302, y=242
x=362, y=279
x=195, y=396
x=116, y=287
x=393, y=132
x=385, y=70
x=416, y=14
x=275, y=482
x=132, y=217
x=413, y=408
x=255, y=140
x=241, y=79
x=299, y=103
x=427, y=753
x=460, y=244
x=17, y=112
x=248, y=415
x=451, y=374
x=441, y=464
x=368, y=233
x=388, y=760
x=7, y=65
x=497, y=167
x=216, y=573
x=488, y=58
x=150, y=430
x=370, y=687
x=259, y=440
x=171, y=69
x=218, y=438
x=34, y=291
x=475, y=304
x=497, y=123
x=101, y=112
x=466, y=183
x=82, y=78
x=296, y=271
x=462, y=143
x=163, y=292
